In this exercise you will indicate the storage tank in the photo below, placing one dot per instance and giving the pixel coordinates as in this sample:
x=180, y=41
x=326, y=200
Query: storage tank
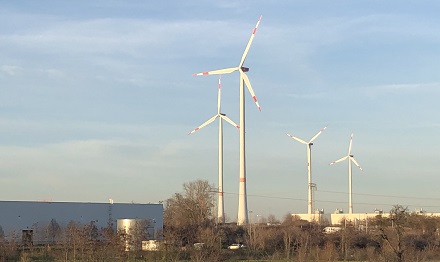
x=134, y=231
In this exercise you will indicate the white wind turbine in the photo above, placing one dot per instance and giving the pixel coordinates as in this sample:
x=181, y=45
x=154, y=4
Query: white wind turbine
x=221, y=117
x=242, y=218
x=350, y=159
x=309, y=167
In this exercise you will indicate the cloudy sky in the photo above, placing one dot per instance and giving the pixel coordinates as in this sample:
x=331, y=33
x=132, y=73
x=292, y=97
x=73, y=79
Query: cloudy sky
x=97, y=99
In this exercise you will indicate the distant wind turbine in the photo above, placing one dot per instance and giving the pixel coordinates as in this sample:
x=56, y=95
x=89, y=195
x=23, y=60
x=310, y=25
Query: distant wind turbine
x=350, y=159
x=221, y=117
x=242, y=217
x=309, y=167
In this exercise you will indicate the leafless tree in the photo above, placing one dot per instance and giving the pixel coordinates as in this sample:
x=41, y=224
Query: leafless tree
x=188, y=212
x=290, y=235
x=392, y=230
x=53, y=230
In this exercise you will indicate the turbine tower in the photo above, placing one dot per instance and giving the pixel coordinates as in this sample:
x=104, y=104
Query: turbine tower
x=221, y=117
x=309, y=168
x=350, y=159
x=242, y=217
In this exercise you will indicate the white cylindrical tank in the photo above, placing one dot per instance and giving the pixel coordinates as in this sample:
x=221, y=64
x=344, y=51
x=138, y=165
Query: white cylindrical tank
x=134, y=231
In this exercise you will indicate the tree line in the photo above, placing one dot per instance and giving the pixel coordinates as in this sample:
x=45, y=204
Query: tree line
x=191, y=234
x=189, y=219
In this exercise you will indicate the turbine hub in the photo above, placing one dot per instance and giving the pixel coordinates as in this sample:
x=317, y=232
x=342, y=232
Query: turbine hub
x=244, y=69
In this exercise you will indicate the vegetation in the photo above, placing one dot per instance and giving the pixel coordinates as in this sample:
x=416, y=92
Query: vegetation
x=190, y=234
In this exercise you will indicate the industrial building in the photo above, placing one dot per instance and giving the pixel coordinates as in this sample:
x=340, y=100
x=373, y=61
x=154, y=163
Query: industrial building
x=27, y=219
x=338, y=216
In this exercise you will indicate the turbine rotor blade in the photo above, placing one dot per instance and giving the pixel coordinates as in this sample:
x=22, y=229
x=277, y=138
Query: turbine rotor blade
x=356, y=163
x=219, y=95
x=209, y=121
x=246, y=50
x=227, y=119
x=249, y=86
x=351, y=142
x=218, y=72
x=320, y=131
x=339, y=160
x=297, y=139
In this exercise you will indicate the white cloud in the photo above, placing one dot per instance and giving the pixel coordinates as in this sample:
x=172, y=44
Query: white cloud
x=10, y=70
x=52, y=73
x=402, y=88
x=134, y=37
x=83, y=164
x=307, y=95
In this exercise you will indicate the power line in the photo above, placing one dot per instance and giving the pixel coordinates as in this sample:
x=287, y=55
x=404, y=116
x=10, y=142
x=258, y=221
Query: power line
x=345, y=202
x=273, y=197
x=338, y=192
x=377, y=195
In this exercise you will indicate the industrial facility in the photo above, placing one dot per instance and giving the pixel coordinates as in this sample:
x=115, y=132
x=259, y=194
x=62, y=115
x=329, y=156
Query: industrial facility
x=338, y=217
x=31, y=220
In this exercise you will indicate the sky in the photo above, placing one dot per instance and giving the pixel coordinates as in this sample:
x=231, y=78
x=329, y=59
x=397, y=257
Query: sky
x=97, y=99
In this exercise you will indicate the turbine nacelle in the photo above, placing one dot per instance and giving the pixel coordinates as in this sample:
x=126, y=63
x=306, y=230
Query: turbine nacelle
x=244, y=69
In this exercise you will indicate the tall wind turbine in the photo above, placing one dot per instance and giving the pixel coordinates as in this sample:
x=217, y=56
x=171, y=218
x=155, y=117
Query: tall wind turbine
x=221, y=117
x=309, y=167
x=350, y=159
x=242, y=218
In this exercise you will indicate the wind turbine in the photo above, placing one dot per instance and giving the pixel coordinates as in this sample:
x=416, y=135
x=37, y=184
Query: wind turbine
x=242, y=217
x=350, y=159
x=309, y=167
x=221, y=117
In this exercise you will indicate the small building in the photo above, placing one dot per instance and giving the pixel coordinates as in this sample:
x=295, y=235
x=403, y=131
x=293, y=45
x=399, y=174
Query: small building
x=329, y=230
x=150, y=245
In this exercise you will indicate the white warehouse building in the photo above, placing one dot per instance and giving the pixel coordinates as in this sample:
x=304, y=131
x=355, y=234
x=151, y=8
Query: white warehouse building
x=338, y=216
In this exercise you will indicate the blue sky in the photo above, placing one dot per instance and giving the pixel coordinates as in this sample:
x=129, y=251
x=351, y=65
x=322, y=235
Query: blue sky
x=97, y=98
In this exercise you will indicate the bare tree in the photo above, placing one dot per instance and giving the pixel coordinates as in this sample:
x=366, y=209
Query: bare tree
x=112, y=244
x=53, y=230
x=272, y=220
x=290, y=234
x=2, y=233
x=392, y=230
x=188, y=212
